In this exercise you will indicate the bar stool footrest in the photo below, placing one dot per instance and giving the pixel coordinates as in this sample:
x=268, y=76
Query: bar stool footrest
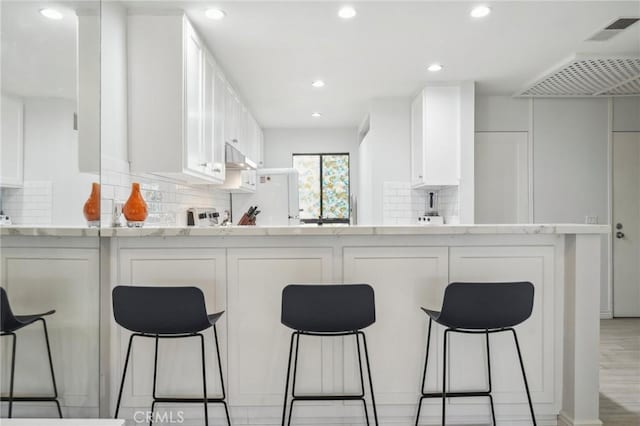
x=29, y=399
x=468, y=394
x=328, y=398
x=168, y=400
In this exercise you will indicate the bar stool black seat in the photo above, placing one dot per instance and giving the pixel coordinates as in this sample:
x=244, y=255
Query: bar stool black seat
x=328, y=310
x=479, y=308
x=167, y=313
x=9, y=324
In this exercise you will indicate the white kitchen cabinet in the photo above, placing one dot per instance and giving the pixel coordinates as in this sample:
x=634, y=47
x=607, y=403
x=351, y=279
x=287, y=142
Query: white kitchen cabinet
x=232, y=111
x=12, y=143
x=435, y=137
x=171, y=98
x=256, y=141
x=213, y=143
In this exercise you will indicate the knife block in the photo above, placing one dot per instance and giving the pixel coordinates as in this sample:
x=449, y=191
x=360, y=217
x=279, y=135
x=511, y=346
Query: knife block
x=245, y=221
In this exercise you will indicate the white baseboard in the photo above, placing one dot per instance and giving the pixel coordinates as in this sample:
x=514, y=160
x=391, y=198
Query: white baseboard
x=564, y=420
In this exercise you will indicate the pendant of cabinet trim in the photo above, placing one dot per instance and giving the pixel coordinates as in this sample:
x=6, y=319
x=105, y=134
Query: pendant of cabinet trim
x=435, y=137
x=182, y=109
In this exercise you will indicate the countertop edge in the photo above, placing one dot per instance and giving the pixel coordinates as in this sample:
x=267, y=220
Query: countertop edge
x=292, y=231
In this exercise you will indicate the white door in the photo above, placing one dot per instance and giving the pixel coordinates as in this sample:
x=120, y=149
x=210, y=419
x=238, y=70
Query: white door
x=501, y=177
x=626, y=224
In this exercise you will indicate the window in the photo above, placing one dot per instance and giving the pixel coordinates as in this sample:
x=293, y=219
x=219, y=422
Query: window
x=323, y=184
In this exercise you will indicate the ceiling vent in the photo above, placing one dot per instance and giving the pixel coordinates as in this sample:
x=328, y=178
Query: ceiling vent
x=613, y=29
x=587, y=76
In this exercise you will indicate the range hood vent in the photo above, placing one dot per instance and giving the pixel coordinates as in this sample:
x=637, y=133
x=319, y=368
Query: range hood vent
x=588, y=76
x=613, y=29
x=236, y=160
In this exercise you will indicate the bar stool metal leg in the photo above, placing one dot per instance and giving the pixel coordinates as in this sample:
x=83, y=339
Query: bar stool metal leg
x=286, y=386
x=295, y=374
x=424, y=374
x=155, y=376
x=524, y=376
x=204, y=382
x=53, y=376
x=444, y=377
x=364, y=402
x=373, y=398
x=13, y=370
x=124, y=374
x=224, y=393
x=493, y=413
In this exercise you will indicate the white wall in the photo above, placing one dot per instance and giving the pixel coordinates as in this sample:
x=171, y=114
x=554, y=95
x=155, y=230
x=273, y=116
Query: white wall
x=51, y=155
x=387, y=151
x=280, y=144
x=569, y=140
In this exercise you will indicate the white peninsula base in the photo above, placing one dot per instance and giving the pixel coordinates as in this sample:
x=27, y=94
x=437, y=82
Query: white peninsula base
x=244, y=270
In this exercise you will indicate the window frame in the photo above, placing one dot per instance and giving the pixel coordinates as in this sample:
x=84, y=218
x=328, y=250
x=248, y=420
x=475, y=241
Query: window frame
x=320, y=155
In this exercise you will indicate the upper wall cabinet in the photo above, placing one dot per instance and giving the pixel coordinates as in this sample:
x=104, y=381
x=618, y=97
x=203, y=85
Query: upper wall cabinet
x=174, y=101
x=435, y=137
x=12, y=143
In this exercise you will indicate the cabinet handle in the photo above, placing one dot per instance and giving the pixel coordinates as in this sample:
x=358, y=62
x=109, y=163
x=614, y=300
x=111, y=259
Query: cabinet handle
x=217, y=170
x=419, y=176
x=234, y=140
x=205, y=165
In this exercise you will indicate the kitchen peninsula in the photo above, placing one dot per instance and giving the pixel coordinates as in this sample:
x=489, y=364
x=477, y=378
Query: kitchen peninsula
x=242, y=270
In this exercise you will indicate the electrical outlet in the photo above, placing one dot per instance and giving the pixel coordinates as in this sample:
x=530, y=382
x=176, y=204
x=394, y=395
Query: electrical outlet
x=591, y=220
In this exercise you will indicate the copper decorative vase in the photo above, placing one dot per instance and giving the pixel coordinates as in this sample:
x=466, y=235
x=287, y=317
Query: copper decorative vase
x=135, y=209
x=91, y=208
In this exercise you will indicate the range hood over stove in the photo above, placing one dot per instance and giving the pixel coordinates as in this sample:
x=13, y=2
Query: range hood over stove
x=236, y=160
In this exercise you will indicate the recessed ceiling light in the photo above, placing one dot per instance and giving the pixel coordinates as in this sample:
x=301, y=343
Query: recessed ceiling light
x=318, y=83
x=316, y=114
x=51, y=14
x=216, y=14
x=434, y=67
x=347, y=12
x=480, y=11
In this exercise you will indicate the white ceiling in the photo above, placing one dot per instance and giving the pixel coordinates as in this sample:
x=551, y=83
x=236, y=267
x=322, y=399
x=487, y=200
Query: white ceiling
x=274, y=50
x=38, y=54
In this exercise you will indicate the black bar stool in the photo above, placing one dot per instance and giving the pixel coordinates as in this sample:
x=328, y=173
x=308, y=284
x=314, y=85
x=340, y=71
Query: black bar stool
x=328, y=310
x=167, y=313
x=9, y=324
x=479, y=308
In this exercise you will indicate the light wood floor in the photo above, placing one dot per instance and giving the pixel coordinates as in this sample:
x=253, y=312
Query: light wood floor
x=620, y=372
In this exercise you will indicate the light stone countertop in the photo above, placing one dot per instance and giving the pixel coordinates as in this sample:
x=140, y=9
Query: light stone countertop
x=303, y=230
x=47, y=231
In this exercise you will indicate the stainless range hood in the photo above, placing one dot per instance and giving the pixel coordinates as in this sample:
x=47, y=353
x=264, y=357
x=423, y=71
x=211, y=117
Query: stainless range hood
x=236, y=160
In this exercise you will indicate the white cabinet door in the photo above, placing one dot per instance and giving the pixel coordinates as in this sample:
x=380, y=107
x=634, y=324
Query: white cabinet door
x=258, y=342
x=218, y=125
x=12, y=142
x=540, y=337
x=435, y=137
x=397, y=352
x=38, y=279
x=442, y=135
x=179, y=360
x=194, y=146
x=231, y=111
x=417, y=140
x=213, y=161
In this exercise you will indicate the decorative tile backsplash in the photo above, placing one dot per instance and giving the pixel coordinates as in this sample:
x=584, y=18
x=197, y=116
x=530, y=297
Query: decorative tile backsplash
x=33, y=203
x=167, y=199
x=402, y=205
